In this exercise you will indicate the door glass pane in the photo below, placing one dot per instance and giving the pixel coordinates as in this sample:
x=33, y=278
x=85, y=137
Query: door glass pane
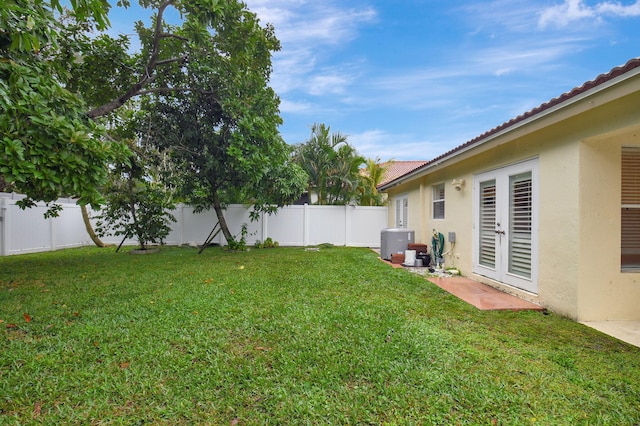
x=405, y=212
x=520, y=224
x=402, y=212
x=488, y=223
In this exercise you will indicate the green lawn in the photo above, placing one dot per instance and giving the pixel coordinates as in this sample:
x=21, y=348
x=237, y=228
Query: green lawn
x=286, y=336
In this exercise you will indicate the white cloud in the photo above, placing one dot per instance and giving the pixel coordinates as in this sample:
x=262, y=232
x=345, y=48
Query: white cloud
x=616, y=9
x=295, y=107
x=388, y=146
x=330, y=83
x=308, y=32
x=572, y=11
x=516, y=16
x=302, y=22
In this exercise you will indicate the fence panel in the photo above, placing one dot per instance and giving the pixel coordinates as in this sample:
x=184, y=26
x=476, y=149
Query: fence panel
x=327, y=224
x=27, y=231
x=287, y=227
x=68, y=228
x=364, y=225
x=191, y=228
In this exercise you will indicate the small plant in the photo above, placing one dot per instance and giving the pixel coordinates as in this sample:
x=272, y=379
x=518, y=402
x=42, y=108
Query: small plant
x=268, y=243
x=241, y=244
x=137, y=207
x=325, y=245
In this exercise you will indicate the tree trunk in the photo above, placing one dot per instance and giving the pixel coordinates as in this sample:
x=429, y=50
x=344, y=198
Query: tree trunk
x=89, y=228
x=221, y=220
x=132, y=210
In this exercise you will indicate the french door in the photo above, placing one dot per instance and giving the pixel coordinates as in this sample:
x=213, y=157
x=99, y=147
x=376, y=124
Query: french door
x=505, y=242
x=402, y=211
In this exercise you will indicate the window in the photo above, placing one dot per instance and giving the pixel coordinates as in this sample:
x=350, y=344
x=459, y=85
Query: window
x=438, y=201
x=630, y=212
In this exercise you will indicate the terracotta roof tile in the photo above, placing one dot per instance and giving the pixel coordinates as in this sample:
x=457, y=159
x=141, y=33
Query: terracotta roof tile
x=400, y=168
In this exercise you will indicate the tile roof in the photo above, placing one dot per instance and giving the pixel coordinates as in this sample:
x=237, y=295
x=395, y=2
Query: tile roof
x=400, y=168
x=599, y=80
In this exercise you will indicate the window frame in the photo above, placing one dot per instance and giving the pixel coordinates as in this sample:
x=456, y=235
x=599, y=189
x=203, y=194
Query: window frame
x=630, y=201
x=438, y=204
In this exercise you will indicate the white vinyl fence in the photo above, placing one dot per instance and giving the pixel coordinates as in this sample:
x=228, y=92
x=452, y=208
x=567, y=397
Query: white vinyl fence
x=27, y=231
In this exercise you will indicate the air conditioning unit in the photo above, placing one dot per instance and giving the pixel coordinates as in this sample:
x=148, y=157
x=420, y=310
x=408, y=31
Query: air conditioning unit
x=395, y=241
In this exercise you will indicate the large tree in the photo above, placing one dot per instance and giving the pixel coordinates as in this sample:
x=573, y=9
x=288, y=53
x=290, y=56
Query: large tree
x=222, y=135
x=64, y=78
x=60, y=72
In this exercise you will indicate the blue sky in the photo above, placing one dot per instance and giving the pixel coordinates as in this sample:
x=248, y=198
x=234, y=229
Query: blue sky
x=412, y=79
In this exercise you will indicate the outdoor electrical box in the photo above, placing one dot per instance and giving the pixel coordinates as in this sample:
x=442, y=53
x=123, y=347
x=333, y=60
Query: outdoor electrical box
x=452, y=237
x=395, y=240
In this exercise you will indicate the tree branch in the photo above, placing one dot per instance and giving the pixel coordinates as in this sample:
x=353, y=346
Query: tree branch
x=181, y=59
x=149, y=70
x=176, y=90
x=176, y=36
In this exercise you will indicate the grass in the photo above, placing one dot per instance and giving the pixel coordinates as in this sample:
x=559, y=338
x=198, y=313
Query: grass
x=286, y=336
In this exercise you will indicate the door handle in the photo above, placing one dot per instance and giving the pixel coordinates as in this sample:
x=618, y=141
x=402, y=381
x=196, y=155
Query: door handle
x=499, y=232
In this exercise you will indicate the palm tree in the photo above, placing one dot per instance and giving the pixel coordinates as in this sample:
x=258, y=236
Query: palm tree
x=370, y=179
x=331, y=163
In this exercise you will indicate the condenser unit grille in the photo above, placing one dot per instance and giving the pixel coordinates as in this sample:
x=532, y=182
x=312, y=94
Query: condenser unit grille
x=395, y=240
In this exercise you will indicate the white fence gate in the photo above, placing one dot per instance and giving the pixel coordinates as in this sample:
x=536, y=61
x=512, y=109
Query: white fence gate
x=27, y=231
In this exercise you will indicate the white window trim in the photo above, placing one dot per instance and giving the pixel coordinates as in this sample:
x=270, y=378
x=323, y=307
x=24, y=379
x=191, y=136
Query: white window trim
x=628, y=189
x=435, y=200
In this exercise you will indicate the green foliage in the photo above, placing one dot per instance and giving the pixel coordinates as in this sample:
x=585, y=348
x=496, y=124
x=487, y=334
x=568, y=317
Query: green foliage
x=332, y=166
x=372, y=176
x=287, y=336
x=222, y=136
x=267, y=243
x=137, y=206
x=241, y=243
x=49, y=147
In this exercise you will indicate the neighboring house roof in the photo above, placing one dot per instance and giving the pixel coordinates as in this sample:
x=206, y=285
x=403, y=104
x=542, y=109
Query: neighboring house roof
x=541, y=110
x=399, y=168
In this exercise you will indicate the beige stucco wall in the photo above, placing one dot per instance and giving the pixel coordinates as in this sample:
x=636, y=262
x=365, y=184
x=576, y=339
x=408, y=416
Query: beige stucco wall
x=605, y=292
x=557, y=251
x=578, y=153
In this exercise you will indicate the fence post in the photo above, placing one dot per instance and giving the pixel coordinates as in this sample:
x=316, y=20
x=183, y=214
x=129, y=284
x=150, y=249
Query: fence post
x=181, y=219
x=348, y=213
x=52, y=232
x=4, y=218
x=305, y=225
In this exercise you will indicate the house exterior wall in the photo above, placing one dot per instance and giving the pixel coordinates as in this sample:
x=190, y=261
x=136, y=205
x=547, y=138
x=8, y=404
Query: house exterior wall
x=578, y=150
x=557, y=227
x=605, y=292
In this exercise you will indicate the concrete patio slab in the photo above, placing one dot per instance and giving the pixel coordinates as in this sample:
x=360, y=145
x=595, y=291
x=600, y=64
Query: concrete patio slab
x=482, y=296
x=627, y=331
